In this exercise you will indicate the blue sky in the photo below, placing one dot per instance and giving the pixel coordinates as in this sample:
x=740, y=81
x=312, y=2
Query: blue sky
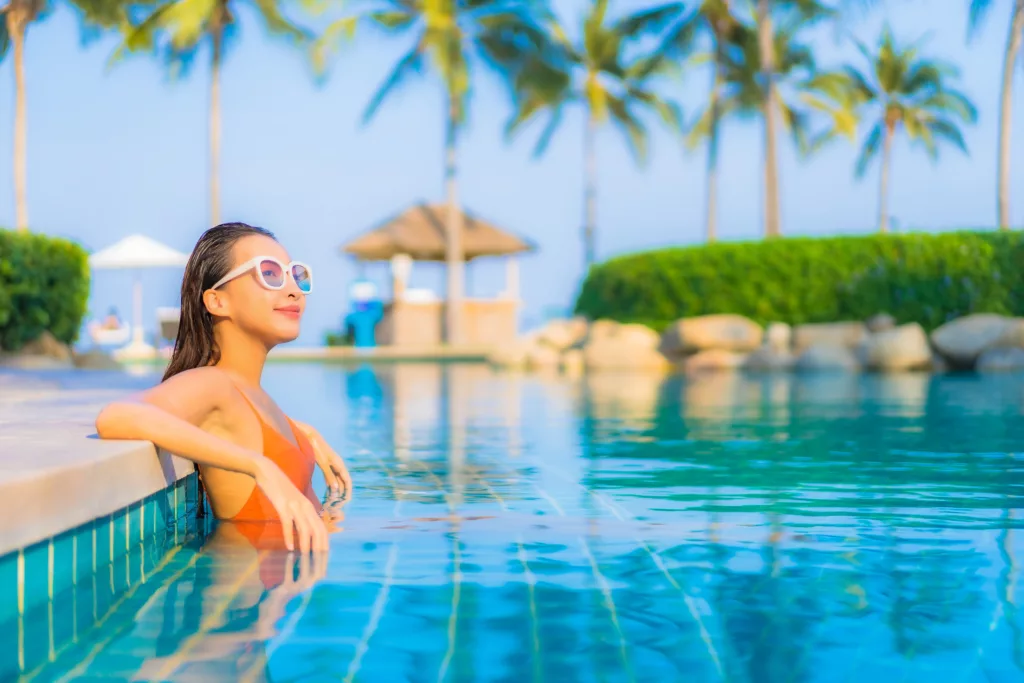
x=119, y=150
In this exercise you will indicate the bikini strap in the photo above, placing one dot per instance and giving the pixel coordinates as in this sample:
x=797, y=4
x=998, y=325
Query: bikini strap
x=252, y=406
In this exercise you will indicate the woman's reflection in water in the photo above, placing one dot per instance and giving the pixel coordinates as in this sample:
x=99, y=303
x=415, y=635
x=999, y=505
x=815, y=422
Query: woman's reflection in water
x=224, y=619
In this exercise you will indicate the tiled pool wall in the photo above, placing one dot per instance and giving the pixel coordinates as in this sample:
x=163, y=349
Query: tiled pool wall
x=53, y=592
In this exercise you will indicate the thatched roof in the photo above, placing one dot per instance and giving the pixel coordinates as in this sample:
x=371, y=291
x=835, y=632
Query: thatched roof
x=419, y=232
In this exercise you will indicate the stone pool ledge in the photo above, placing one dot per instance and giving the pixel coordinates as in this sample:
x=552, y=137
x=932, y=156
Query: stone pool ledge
x=55, y=475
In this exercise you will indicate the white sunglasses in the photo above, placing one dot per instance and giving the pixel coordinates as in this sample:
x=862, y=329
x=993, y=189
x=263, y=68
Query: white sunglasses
x=271, y=273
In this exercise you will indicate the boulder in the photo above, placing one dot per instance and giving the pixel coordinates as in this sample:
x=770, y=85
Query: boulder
x=938, y=364
x=47, y=345
x=768, y=359
x=880, y=322
x=1008, y=359
x=778, y=337
x=563, y=334
x=714, y=360
x=827, y=358
x=542, y=358
x=726, y=332
x=613, y=346
x=900, y=348
x=1012, y=337
x=961, y=341
x=94, y=359
x=848, y=335
x=511, y=355
x=572, y=362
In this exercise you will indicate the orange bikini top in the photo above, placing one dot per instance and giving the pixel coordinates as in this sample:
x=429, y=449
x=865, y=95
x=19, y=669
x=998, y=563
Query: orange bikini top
x=297, y=464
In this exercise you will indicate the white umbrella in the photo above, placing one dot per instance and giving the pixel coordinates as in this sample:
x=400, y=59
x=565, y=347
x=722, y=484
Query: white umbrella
x=134, y=253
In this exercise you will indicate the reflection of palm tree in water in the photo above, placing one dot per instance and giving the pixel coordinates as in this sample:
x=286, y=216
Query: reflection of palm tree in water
x=1007, y=583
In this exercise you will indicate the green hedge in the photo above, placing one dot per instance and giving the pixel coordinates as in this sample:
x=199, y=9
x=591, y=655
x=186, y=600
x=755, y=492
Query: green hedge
x=44, y=286
x=916, y=278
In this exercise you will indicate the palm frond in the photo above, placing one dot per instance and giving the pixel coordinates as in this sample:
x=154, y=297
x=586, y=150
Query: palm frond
x=630, y=125
x=869, y=150
x=279, y=25
x=409, y=65
x=337, y=33
x=976, y=16
x=649, y=21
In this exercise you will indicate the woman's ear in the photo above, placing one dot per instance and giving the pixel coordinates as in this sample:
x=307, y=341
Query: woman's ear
x=216, y=302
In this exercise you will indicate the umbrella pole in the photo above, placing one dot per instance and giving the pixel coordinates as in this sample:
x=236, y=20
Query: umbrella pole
x=137, y=336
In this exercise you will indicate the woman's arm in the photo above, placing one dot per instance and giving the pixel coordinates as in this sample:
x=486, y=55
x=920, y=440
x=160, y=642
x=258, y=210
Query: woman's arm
x=333, y=467
x=169, y=415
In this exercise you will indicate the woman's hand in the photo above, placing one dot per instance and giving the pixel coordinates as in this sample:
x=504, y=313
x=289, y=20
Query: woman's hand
x=299, y=519
x=334, y=469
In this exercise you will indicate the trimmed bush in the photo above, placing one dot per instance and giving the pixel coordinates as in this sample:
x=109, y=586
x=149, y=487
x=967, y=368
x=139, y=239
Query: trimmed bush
x=922, y=278
x=44, y=286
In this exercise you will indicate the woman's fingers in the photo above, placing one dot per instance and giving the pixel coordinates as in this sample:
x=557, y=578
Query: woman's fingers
x=303, y=529
x=331, y=477
x=338, y=465
x=287, y=528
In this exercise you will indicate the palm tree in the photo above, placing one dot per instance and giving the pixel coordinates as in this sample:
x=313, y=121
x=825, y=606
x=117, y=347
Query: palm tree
x=176, y=29
x=18, y=15
x=900, y=91
x=740, y=91
x=979, y=8
x=449, y=35
x=596, y=74
x=766, y=14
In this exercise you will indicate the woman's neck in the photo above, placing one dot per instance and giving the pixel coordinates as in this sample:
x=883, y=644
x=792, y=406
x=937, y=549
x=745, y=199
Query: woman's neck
x=242, y=356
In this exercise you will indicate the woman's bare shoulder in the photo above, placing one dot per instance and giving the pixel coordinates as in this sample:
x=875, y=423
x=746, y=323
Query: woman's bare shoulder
x=196, y=390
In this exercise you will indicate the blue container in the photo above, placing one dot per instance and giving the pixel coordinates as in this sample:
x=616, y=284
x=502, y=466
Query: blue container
x=367, y=310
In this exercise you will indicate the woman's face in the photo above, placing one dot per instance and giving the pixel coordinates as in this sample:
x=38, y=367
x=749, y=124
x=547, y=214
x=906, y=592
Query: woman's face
x=272, y=315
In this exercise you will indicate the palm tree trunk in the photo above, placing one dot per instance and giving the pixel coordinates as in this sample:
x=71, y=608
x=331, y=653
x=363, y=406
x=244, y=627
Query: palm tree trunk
x=17, y=23
x=711, y=219
x=590, y=192
x=770, y=109
x=1013, y=43
x=883, y=183
x=454, y=262
x=218, y=39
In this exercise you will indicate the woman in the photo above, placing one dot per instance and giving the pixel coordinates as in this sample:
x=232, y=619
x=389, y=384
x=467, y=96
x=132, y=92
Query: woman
x=240, y=297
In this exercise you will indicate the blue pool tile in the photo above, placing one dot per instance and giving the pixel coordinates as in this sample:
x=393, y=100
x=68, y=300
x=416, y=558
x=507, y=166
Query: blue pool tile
x=103, y=541
x=119, y=574
x=64, y=618
x=84, y=559
x=151, y=516
x=63, y=562
x=119, y=531
x=36, y=575
x=37, y=637
x=85, y=609
x=8, y=586
x=9, y=647
x=134, y=536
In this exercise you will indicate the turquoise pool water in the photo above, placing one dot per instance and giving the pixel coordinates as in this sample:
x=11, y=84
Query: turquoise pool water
x=622, y=528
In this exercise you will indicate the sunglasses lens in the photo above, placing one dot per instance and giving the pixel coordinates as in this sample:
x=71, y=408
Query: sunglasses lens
x=272, y=274
x=303, y=278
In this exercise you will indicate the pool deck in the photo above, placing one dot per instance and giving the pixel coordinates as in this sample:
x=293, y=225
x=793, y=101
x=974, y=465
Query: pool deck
x=55, y=474
x=286, y=353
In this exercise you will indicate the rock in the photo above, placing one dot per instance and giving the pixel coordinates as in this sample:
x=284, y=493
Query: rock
x=563, y=334
x=1001, y=360
x=778, y=337
x=94, y=359
x=714, y=360
x=23, y=361
x=768, y=359
x=726, y=332
x=961, y=341
x=613, y=346
x=47, y=345
x=511, y=355
x=880, y=322
x=1012, y=337
x=542, y=358
x=827, y=357
x=938, y=364
x=900, y=348
x=572, y=362
x=845, y=334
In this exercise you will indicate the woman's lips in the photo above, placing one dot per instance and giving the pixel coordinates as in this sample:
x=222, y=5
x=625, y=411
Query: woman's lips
x=290, y=311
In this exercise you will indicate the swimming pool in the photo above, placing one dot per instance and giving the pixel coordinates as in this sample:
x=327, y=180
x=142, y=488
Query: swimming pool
x=504, y=527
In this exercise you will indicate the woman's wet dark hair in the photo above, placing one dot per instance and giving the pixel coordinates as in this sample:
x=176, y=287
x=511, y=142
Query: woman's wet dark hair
x=194, y=346
x=210, y=261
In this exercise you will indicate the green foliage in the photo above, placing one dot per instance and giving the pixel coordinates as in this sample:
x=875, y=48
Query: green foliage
x=922, y=278
x=44, y=285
